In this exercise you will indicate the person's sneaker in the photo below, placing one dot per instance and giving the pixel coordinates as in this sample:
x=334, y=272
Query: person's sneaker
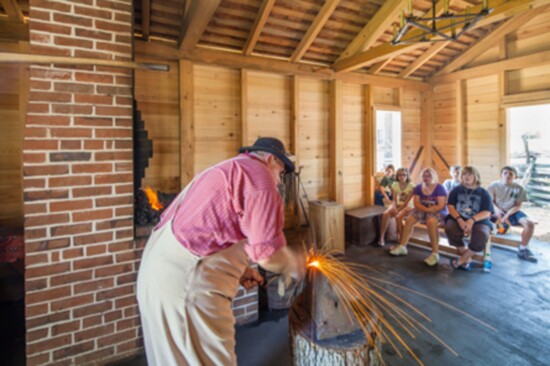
x=399, y=250
x=527, y=255
x=432, y=260
x=487, y=266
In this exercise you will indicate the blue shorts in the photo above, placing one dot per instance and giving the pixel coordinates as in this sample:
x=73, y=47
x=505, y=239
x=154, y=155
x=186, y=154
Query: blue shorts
x=514, y=219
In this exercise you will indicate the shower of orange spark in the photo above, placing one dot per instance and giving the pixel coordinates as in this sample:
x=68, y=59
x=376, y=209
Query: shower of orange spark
x=362, y=297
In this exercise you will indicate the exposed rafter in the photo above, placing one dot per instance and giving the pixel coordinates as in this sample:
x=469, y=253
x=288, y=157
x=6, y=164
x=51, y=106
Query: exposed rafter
x=425, y=57
x=489, y=41
x=145, y=18
x=314, y=29
x=377, y=67
x=379, y=23
x=195, y=22
x=11, y=7
x=259, y=23
x=375, y=54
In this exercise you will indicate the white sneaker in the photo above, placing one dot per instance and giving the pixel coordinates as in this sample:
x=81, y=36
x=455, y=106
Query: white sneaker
x=399, y=250
x=432, y=260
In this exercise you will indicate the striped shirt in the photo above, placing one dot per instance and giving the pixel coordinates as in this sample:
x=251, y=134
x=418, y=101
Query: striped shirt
x=234, y=200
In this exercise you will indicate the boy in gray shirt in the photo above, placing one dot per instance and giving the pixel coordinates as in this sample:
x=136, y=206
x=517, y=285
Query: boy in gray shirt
x=507, y=198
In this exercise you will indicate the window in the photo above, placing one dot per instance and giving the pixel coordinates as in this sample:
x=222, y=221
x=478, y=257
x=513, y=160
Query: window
x=529, y=133
x=388, y=139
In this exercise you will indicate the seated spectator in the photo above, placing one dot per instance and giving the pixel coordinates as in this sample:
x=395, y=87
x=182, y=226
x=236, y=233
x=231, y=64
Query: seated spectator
x=470, y=208
x=430, y=208
x=402, y=205
x=508, y=197
x=449, y=184
x=382, y=196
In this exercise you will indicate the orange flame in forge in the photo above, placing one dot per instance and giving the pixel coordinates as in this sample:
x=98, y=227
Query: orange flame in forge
x=153, y=198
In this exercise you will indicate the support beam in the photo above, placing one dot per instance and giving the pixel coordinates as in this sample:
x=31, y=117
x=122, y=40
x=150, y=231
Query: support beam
x=425, y=57
x=187, y=122
x=294, y=146
x=503, y=8
x=426, y=128
x=13, y=31
x=376, y=26
x=238, y=61
x=259, y=23
x=195, y=22
x=369, y=145
x=502, y=121
x=536, y=59
x=336, y=157
x=11, y=7
x=314, y=29
x=145, y=18
x=489, y=40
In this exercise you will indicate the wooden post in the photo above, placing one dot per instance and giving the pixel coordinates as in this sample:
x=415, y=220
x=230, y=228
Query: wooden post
x=336, y=178
x=187, y=122
x=461, y=157
x=369, y=143
x=427, y=126
x=294, y=147
x=244, y=108
x=502, y=120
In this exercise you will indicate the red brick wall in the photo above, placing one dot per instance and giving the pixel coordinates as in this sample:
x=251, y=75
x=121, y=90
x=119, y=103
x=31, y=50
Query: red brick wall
x=81, y=259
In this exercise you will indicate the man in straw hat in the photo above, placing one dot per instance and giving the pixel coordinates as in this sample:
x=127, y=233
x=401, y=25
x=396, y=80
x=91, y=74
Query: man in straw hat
x=199, y=253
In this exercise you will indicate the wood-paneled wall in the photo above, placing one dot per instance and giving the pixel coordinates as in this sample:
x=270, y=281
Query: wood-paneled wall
x=12, y=119
x=472, y=107
x=157, y=96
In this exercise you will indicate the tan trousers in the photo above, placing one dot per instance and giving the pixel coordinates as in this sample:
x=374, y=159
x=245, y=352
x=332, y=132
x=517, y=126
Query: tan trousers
x=185, y=302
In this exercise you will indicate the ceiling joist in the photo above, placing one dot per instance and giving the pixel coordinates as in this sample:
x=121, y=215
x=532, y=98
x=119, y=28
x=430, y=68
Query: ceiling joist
x=376, y=54
x=195, y=21
x=314, y=29
x=259, y=23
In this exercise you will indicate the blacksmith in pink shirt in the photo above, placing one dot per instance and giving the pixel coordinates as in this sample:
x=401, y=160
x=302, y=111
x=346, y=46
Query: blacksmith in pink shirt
x=199, y=253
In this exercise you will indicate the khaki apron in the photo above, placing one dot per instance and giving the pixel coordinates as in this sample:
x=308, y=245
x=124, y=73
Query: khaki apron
x=185, y=300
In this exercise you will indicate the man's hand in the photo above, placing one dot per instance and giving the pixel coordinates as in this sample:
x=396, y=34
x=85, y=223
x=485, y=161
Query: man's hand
x=251, y=278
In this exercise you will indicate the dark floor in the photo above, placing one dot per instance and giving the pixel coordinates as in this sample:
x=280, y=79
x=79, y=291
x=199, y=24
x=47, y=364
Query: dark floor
x=514, y=299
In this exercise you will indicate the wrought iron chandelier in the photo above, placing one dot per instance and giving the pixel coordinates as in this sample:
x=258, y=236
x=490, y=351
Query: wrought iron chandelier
x=445, y=27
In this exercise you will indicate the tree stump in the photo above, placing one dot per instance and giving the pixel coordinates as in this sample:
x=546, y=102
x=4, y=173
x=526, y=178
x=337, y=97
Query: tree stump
x=321, y=333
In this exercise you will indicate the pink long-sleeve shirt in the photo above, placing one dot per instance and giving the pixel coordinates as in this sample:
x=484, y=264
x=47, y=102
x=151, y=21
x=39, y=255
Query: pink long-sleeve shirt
x=234, y=200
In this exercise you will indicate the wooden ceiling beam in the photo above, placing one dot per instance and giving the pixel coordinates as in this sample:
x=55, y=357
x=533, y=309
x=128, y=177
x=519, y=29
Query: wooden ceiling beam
x=376, y=26
x=258, y=26
x=373, y=55
x=489, y=41
x=195, y=22
x=13, y=31
x=425, y=57
x=535, y=59
x=318, y=24
x=145, y=18
x=11, y=7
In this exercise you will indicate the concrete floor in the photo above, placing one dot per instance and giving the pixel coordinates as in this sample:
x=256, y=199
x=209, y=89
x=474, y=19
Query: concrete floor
x=514, y=299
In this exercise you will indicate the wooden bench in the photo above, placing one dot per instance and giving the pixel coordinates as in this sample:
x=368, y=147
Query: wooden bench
x=420, y=238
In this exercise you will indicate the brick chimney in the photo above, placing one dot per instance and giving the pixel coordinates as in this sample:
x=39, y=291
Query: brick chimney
x=81, y=260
